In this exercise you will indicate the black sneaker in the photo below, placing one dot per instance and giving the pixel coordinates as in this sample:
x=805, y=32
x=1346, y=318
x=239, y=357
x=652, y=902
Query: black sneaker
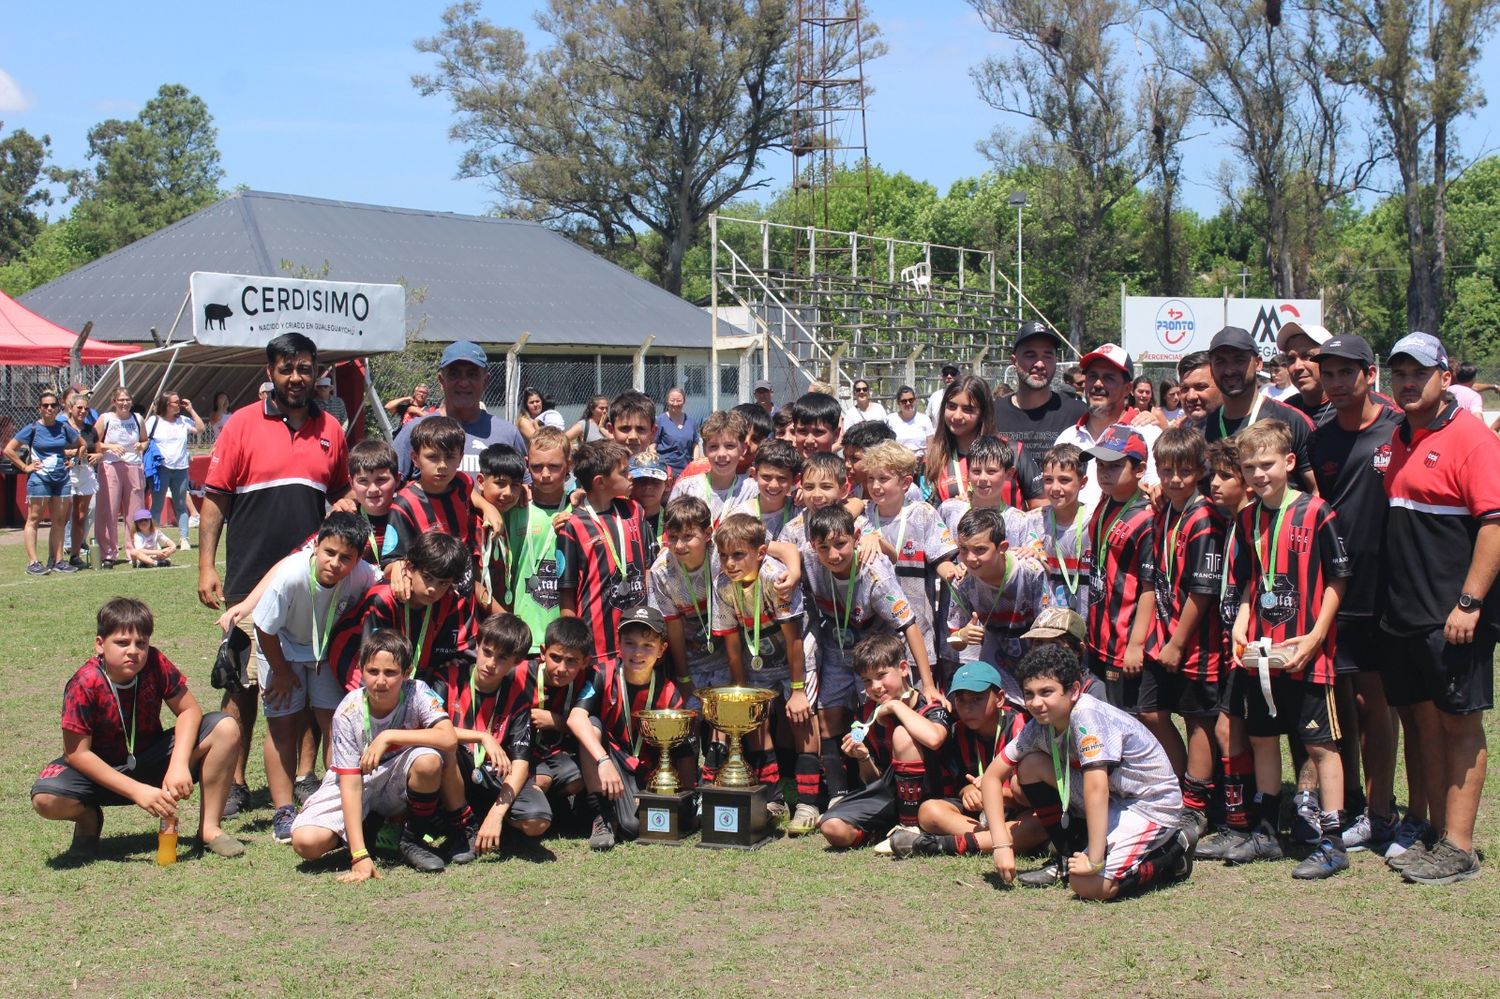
x=1196, y=821
x=459, y=847
x=1217, y=845
x=602, y=837
x=37, y=569
x=418, y=855
x=907, y=841
x=305, y=787
x=238, y=800
x=1443, y=864
x=1261, y=845
x=79, y=562
x=1049, y=876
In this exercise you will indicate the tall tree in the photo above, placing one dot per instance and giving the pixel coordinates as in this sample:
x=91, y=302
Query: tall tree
x=1067, y=79
x=23, y=159
x=641, y=115
x=1415, y=62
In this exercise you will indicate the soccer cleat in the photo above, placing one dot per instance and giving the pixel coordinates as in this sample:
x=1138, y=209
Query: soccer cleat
x=776, y=810
x=1409, y=832
x=37, y=569
x=388, y=838
x=1196, y=821
x=60, y=566
x=1327, y=860
x=281, y=823
x=1443, y=864
x=1307, y=823
x=1049, y=876
x=418, y=855
x=804, y=820
x=1261, y=845
x=238, y=800
x=602, y=837
x=459, y=847
x=305, y=787
x=1217, y=845
x=1189, y=843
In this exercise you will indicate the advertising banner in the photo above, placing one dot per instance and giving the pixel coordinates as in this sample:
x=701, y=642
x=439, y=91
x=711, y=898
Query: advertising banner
x=239, y=310
x=1164, y=330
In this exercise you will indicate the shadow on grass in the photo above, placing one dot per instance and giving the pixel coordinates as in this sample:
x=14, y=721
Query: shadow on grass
x=115, y=849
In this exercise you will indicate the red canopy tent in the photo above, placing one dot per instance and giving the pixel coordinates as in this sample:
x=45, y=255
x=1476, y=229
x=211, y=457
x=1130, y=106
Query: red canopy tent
x=27, y=338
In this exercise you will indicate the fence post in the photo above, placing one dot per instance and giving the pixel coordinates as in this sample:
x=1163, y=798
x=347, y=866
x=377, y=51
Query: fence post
x=911, y=365
x=512, y=376
x=638, y=368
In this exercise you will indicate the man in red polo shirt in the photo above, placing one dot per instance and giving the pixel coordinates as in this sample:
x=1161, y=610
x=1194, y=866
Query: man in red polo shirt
x=1442, y=551
x=276, y=466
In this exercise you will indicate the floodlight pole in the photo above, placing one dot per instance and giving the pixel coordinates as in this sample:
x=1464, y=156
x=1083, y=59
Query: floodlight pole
x=1019, y=200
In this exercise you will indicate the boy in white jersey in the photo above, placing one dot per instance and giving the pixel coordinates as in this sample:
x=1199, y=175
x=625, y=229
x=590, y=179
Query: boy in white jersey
x=681, y=586
x=997, y=599
x=722, y=487
x=777, y=468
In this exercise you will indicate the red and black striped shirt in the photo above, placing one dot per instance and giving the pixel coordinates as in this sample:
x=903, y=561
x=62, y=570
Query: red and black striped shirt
x=1308, y=555
x=588, y=547
x=939, y=775
x=445, y=633
x=559, y=700
x=614, y=701
x=414, y=512
x=1189, y=558
x=504, y=712
x=1122, y=569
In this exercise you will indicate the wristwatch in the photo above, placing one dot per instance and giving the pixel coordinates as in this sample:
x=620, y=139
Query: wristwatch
x=1468, y=601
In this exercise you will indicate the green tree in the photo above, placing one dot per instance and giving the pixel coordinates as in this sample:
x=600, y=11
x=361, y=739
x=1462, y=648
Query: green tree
x=639, y=117
x=23, y=159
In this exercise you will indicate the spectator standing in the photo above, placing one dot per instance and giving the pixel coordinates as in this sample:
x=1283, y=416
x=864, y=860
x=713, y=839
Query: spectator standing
x=935, y=401
x=913, y=429
x=219, y=415
x=764, y=397
x=1034, y=414
x=330, y=403
x=173, y=421
x=463, y=373
x=122, y=483
x=864, y=408
x=82, y=480
x=594, y=425
x=50, y=442
x=676, y=433
x=414, y=406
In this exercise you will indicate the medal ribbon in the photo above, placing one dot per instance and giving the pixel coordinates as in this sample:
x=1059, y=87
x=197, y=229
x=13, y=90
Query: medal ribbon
x=1268, y=562
x=474, y=707
x=1102, y=532
x=320, y=645
x=687, y=580
x=422, y=636
x=1254, y=410
x=609, y=541
x=900, y=523
x=1062, y=771
x=635, y=741
x=739, y=615
x=833, y=588
x=120, y=707
x=1071, y=581
x=364, y=705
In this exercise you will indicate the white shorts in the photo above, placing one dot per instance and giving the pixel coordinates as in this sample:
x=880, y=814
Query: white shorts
x=318, y=686
x=1131, y=836
x=385, y=794
x=82, y=479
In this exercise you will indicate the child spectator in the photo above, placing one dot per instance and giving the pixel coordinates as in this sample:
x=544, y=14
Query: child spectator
x=115, y=751
x=149, y=547
x=389, y=740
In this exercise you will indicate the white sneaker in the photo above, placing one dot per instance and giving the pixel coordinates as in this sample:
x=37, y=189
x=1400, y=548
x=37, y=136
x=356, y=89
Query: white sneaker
x=186, y=546
x=192, y=521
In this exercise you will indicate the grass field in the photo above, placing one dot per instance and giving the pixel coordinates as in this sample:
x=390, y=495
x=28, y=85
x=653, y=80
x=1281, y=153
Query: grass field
x=790, y=918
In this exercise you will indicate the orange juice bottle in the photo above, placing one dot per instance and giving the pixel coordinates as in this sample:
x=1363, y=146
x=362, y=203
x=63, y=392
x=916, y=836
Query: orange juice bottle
x=166, y=843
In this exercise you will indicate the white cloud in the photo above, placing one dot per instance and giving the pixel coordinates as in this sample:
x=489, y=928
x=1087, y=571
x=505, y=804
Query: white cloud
x=11, y=97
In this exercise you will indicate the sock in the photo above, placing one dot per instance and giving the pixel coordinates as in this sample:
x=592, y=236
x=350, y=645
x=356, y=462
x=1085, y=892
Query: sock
x=861, y=837
x=1268, y=811
x=457, y=819
x=910, y=775
x=1156, y=864
x=809, y=774
x=1237, y=770
x=767, y=770
x=599, y=806
x=1048, y=808
x=1195, y=793
x=1332, y=822
x=833, y=767
x=422, y=809
x=714, y=754
x=961, y=845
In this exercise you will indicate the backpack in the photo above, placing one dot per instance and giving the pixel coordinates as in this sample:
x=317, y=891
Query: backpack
x=151, y=460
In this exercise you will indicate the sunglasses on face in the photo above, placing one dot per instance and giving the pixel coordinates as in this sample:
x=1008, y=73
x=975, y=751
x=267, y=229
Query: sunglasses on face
x=907, y=402
x=48, y=405
x=862, y=390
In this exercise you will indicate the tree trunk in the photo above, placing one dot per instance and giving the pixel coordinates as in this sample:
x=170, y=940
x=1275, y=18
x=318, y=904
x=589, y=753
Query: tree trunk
x=1437, y=273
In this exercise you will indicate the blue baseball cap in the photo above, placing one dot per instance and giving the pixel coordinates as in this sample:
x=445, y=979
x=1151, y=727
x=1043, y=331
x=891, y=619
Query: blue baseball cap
x=647, y=465
x=463, y=350
x=1424, y=348
x=977, y=677
x=1118, y=442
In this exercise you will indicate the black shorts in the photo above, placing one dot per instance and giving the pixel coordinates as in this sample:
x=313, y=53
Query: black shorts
x=561, y=766
x=1358, y=647
x=1157, y=689
x=872, y=808
x=1303, y=710
x=530, y=804
x=150, y=768
x=1195, y=697
x=1457, y=679
x=1121, y=690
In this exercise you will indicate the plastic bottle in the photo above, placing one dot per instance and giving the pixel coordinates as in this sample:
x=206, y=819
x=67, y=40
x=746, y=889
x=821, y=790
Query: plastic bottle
x=166, y=843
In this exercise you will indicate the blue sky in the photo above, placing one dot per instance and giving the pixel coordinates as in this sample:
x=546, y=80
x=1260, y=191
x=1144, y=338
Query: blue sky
x=315, y=98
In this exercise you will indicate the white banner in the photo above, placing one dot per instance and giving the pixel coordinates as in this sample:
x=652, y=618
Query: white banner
x=1164, y=330
x=239, y=310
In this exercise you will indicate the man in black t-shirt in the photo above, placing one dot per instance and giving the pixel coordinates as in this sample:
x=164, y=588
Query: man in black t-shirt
x=1034, y=414
x=1234, y=361
x=1349, y=456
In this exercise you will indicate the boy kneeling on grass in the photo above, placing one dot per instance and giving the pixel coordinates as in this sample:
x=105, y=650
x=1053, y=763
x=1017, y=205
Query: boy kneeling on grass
x=1081, y=755
x=388, y=743
x=112, y=712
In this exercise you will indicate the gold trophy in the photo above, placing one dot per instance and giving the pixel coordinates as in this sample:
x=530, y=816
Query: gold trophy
x=665, y=811
x=734, y=807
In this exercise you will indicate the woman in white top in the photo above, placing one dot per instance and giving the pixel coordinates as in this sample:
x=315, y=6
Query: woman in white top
x=864, y=408
x=220, y=414
x=122, y=485
x=169, y=428
x=913, y=429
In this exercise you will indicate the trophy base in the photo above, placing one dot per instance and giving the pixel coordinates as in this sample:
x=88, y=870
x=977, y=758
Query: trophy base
x=735, y=818
x=665, y=818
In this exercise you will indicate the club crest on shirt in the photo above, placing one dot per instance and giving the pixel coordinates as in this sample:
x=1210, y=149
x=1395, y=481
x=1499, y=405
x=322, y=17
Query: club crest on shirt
x=1284, y=606
x=1299, y=539
x=1381, y=459
x=325, y=444
x=1432, y=459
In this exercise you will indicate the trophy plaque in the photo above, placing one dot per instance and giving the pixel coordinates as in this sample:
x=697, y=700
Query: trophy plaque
x=734, y=808
x=665, y=810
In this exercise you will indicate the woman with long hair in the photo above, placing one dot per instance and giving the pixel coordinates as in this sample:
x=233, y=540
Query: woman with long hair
x=966, y=414
x=533, y=405
x=82, y=477
x=1142, y=394
x=1169, y=398
x=169, y=427
x=220, y=412
x=122, y=483
x=51, y=443
x=591, y=427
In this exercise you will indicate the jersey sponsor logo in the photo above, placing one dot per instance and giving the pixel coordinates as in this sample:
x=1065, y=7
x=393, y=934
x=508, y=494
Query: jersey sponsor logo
x=325, y=444
x=1286, y=599
x=1380, y=460
x=543, y=585
x=1432, y=459
x=899, y=607
x=1089, y=747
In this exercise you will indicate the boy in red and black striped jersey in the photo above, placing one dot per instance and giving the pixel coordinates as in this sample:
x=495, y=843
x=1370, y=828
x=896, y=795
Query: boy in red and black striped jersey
x=440, y=497
x=1291, y=569
x=374, y=477
x=985, y=722
x=1122, y=596
x=611, y=748
x=602, y=552
x=898, y=744
x=502, y=477
x=490, y=703
x=433, y=618
x=1185, y=647
x=563, y=674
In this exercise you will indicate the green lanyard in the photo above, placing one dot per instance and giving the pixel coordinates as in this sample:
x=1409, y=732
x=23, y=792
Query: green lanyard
x=134, y=713
x=687, y=580
x=739, y=613
x=1169, y=557
x=1268, y=563
x=422, y=636
x=320, y=644
x=371, y=539
x=635, y=741
x=1000, y=589
x=474, y=707
x=994, y=752
x=1254, y=409
x=364, y=705
x=1069, y=580
x=833, y=588
x=900, y=522
x=1102, y=533
x=609, y=543
x=1061, y=770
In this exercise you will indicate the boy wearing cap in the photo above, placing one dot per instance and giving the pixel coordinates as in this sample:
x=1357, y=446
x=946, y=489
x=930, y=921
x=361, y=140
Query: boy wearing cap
x=1107, y=374
x=612, y=752
x=648, y=484
x=1122, y=597
x=1234, y=361
x=1350, y=453
x=1441, y=552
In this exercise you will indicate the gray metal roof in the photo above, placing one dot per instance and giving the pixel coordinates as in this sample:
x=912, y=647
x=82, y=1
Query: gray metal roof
x=486, y=279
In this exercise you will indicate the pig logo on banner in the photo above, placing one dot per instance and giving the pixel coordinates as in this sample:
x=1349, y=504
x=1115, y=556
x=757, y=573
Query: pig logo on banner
x=214, y=313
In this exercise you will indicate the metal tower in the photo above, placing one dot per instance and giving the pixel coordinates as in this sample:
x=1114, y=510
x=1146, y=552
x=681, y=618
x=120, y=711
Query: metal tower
x=830, y=145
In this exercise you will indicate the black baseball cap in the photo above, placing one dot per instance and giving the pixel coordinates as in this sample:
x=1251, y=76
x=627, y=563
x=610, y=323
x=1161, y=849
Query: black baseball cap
x=1233, y=338
x=1034, y=328
x=1350, y=347
x=649, y=616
